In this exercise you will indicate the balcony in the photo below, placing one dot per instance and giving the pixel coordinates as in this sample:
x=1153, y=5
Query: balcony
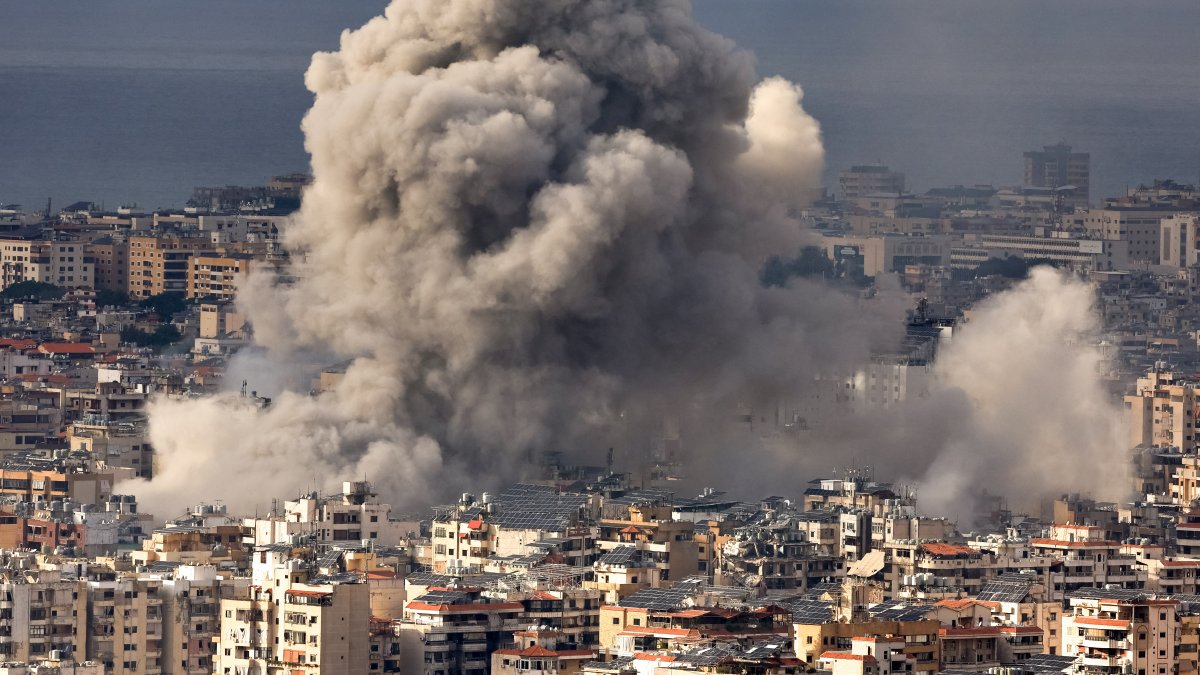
x=1100, y=661
x=1102, y=643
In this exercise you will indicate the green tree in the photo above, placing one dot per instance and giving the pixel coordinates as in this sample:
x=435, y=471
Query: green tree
x=107, y=298
x=36, y=290
x=166, y=334
x=166, y=305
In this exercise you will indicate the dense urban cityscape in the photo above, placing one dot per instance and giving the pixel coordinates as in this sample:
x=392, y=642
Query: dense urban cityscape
x=593, y=569
x=560, y=359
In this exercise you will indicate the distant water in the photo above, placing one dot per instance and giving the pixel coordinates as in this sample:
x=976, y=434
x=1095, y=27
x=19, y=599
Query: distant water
x=140, y=100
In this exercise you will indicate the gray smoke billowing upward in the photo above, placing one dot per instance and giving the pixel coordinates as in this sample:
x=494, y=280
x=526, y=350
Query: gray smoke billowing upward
x=532, y=223
x=1017, y=409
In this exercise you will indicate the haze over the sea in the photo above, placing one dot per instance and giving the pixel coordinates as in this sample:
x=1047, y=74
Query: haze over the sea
x=120, y=101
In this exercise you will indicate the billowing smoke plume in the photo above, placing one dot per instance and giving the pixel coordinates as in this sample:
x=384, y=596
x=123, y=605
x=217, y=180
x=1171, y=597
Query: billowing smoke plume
x=1040, y=421
x=1017, y=409
x=534, y=225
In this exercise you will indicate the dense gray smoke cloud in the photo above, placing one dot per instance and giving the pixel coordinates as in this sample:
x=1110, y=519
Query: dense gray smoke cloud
x=1017, y=409
x=1040, y=421
x=534, y=225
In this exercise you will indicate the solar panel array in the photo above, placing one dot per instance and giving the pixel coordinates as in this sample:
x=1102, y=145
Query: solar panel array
x=810, y=612
x=429, y=579
x=708, y=656
x=1123, y=594
x=898, y=611
x=644, y=495
x=445, y=598
x=537, y=507
x=657, y=599
x=621, y=556
x=1005, y=590
x=1048, y=663
x=330, y=560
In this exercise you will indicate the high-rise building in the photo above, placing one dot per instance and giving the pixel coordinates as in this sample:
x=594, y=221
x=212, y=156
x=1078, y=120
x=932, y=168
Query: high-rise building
x=1055, y=166
x=865, y=179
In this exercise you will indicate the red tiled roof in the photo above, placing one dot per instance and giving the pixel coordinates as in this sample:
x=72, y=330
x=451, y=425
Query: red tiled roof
x=641, y=656
x=18, y=343
x=956, y=604
x=948, y=549
x=847, y=656
x=1097, y=621
x=476, y=607
x=66, y=348
x=309, y=594
x=963, y=632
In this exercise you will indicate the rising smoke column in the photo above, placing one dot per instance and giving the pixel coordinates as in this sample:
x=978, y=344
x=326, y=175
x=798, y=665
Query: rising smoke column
x=531, y=221
x=1017, y=408
x=1034, y=419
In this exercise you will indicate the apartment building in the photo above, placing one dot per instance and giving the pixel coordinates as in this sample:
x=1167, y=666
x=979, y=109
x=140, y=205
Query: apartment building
x=540, y=652
x=454, y=631
x=1139, y=226
x=161, y=263
x=29, y=257
x=114, y=443
x=1088, y=559
x=1180, y=240
x=646, y=526
x=1121, y=632
x=295, y=627
x=192, y=598
x=819, y=635
x=41, y=615
x=1057, y=166
x=352, y=516
x=217, y=275
x=125, y=625
x=869, y=655
x=865, y=179
x=1163, y=411
x=111, y=255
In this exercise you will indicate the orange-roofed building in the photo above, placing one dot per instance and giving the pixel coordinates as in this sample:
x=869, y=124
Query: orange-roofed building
x=873, y=655
x=540, y=652
x=68, y=350
x=934, y=571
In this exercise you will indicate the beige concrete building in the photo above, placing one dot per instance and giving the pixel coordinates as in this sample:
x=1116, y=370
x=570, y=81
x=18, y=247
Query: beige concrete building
x=41, y=614
x=161, y=263
x=1140, y=227
x=1129, y=635
x=294, y=628
x=192, y=609
x=864, y=179
x=540, y=652
x=125, y=625
x=63, y=263
x=217, y=275
x=1163, y=411
x=1179, y=236
x=112, y=264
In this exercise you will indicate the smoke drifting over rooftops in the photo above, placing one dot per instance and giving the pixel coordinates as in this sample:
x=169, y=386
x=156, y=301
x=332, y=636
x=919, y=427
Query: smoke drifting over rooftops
x=538, y=225
x=533, y=225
